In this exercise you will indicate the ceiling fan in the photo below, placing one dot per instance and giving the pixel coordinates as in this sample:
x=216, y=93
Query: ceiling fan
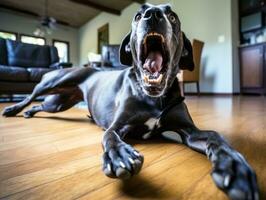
x=47, y=24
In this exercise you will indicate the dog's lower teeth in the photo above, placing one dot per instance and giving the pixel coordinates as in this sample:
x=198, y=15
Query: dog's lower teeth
x=151, y=79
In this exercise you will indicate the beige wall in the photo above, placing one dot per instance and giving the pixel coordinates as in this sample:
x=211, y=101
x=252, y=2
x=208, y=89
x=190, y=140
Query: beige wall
x=207, y=20
x=26, y=25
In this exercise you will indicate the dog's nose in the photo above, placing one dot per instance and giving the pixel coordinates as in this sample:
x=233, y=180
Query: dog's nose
x=153, y=13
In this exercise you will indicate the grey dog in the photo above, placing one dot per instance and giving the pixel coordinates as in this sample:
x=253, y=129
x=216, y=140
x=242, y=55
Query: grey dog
x=143, y=100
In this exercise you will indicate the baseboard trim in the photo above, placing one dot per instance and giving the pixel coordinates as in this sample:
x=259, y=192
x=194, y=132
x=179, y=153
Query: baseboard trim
x=222, y=94
x=210, y=94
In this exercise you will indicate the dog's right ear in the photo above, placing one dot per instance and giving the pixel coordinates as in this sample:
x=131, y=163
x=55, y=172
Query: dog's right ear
x=125, y=51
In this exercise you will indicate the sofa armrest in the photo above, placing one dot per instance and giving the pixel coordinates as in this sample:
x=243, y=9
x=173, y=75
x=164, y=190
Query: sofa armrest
x=61, y=65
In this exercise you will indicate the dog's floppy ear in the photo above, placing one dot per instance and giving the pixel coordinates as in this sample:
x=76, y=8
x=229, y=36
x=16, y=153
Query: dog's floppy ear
x=125, y=51
x=186, y=60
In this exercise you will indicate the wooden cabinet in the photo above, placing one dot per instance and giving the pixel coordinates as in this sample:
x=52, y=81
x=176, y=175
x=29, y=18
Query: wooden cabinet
x=246, y=6
x=252, y=73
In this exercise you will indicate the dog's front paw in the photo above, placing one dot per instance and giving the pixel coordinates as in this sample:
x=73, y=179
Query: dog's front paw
x=10, y=111
x=122, y=161
x=234, y=176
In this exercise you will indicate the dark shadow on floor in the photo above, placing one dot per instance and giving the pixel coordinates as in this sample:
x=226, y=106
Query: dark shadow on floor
x=69, y=119
x=140, y=188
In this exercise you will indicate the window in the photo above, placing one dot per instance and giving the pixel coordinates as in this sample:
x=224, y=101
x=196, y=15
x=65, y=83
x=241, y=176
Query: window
x=8, y=35
x=63, y=50
x=32, y=39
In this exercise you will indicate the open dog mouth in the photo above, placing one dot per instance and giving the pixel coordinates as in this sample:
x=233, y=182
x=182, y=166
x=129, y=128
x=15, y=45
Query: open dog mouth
x=154, y=57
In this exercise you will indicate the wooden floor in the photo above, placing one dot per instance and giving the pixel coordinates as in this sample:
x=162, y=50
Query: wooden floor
x=58, y=156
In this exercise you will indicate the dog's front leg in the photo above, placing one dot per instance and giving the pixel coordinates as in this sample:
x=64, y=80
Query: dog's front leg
x=120, y=160
x=231, y=172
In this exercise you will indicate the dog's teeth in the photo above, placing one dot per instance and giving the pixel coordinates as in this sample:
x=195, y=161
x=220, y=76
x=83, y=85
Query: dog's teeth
x=144, y=41
x=151, y=80
x=146, y=78
x=162, y=39
x=159, y=79
x=153, y=34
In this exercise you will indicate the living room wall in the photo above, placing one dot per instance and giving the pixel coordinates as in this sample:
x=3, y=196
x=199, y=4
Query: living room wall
x=206, y=20
x=26, y=25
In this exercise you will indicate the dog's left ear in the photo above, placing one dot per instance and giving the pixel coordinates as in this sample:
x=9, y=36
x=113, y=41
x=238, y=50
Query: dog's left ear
x=186, y=61
x=125, y=51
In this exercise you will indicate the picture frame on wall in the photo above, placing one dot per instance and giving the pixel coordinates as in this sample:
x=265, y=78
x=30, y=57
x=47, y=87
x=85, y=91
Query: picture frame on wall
x=103, y=37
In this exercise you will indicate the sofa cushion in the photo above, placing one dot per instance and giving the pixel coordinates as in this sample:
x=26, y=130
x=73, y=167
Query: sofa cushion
x=27, y=55
x=17, y=87
x=54, y=55
x=3, y=52
x=16, y=74
x=35, y=74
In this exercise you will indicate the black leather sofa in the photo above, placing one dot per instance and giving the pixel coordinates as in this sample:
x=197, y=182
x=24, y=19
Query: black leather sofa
x=23, y=65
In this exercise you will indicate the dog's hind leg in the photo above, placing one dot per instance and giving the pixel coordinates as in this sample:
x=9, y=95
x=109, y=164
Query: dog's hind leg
x=54, y=82
x=56, y=103
x=15, y=109
x=32, y=111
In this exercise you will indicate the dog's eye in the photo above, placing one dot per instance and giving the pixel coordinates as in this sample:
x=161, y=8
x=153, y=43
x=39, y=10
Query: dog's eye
x=137, y=17
x=172, y=18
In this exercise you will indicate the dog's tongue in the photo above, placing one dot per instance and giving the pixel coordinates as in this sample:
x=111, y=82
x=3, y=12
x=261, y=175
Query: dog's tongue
x=153, y=62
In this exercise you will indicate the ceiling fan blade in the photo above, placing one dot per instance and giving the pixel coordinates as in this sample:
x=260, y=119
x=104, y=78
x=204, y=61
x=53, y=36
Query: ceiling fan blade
x=53, y=26
x=53, y=20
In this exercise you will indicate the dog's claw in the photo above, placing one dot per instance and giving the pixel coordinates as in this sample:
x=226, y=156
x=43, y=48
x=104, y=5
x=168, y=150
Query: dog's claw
x=136, y=153
x=227, y=180
x=121, y=162
x=122, y=173
x=131, y=161
x=109, y=168
x=122, y=165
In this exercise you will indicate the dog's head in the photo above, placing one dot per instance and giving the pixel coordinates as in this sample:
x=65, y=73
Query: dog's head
x=157, y=48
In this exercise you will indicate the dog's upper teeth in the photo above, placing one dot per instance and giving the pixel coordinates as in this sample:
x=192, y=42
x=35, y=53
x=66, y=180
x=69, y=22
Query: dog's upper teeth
x=153, y=34
x=162, y=38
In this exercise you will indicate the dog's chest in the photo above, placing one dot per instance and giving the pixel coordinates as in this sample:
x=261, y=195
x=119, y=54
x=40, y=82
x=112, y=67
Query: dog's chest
x=151, y=124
